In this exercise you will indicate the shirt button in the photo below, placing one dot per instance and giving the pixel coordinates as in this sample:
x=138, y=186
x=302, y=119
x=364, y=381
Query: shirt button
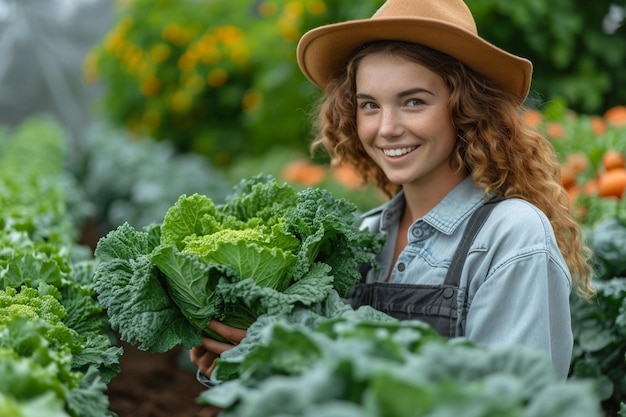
x=448, y=292
x=417, y=232
x=401, y=267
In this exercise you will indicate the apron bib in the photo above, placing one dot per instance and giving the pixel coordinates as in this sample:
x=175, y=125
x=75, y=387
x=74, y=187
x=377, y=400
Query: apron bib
x=443, y=307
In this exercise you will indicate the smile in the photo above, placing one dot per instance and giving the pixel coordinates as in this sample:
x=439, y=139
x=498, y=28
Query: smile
x=399, y=151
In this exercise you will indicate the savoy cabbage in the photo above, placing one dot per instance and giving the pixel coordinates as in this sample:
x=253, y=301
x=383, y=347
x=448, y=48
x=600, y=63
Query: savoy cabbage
x=266, y=249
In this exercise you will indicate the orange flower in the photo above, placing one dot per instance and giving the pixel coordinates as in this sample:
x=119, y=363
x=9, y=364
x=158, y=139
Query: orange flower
x=598, y=125
x=555, y=130
x=568, y=176
x=613, y=159
x=616, y=116
x=532, y=117
x=346, y=175
x=591, y=187
x=578, y=161
x=612, y=183
x=303, y=171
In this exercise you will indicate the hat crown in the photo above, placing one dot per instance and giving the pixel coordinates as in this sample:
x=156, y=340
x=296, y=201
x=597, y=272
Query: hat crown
x=453, y=12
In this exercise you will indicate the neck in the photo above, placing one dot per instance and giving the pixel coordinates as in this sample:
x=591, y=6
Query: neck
x=421, y=198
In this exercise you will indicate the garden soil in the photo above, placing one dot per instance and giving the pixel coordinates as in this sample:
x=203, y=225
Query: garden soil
x=155, y=385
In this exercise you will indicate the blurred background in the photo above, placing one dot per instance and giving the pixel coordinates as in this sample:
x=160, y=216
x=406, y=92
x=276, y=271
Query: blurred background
x=164, y=97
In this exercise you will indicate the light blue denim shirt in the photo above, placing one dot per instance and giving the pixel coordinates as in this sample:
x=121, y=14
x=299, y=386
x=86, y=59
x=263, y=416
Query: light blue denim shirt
x=517, y=282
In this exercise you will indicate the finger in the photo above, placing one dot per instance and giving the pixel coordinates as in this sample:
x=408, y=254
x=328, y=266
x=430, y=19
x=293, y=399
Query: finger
x=229, y=333
x=211, y=367
x=207, y=363
x=215, y=346
x=195, y=353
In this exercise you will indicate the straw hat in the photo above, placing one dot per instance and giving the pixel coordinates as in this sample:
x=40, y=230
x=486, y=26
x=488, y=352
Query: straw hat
x=444, y=25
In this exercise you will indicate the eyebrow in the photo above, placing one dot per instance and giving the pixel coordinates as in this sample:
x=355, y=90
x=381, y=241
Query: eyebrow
x=401, y=94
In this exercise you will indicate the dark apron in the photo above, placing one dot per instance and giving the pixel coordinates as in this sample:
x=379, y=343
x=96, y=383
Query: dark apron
x=444, y=306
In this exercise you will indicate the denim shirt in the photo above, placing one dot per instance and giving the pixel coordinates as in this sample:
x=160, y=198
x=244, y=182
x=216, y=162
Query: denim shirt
x=518, y=284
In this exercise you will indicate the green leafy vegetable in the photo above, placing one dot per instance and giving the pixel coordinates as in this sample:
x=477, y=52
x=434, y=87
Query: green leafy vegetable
x=331, y=361
x=266, y=249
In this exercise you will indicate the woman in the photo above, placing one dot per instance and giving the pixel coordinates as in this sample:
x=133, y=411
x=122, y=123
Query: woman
x=429, y=111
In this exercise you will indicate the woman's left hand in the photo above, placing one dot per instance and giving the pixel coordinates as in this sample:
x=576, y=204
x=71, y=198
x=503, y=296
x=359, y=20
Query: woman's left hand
x=205, y=355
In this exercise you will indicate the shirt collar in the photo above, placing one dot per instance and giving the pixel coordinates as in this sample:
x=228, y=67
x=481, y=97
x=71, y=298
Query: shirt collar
x=447, y=215
x=456, y=206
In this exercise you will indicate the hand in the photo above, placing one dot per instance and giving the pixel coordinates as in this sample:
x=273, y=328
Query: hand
x=205, y=355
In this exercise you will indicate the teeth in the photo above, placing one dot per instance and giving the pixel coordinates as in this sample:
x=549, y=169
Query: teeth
x=398, y=152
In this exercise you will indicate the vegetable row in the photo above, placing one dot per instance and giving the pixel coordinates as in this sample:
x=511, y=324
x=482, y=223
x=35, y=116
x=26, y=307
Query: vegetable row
x=56, y=350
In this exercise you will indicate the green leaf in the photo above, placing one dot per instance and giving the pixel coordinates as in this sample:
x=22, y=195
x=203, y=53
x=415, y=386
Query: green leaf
x=138, y=305
x=191, y=283
x=188, y=218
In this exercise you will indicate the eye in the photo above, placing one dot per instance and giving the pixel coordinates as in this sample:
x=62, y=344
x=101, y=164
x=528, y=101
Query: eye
x=412, y=102
x=368, y=105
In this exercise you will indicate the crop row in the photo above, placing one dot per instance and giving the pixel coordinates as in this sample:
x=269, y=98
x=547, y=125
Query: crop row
x=56, y=349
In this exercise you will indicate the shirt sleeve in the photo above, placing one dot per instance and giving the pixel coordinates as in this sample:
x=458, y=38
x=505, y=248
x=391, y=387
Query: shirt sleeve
x=525, y=302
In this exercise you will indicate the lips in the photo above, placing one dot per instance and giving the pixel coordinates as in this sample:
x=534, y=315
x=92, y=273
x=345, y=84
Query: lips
x=399, y=151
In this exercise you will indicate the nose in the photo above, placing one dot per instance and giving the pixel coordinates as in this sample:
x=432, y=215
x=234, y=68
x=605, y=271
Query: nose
x=390, y=124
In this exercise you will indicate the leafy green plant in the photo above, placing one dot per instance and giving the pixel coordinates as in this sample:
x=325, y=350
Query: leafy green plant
x=331, y=360
x=134, y=180
x=265, y=250
x=56, y=348
x=574, y=57
x=600, y=325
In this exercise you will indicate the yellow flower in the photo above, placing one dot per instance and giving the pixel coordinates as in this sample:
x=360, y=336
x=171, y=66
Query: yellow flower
x=217, y=77
x=150, y=86
x=289, y=32
x=174, y=34
x=90, y=67
x=181, y=101
x=211, y=57
x=251, y=100
x=113, y=41
x=240, y=55
x=316, y=7
x=159, y=53
x=228, y=34
x=267, y=9
x=134, y=61
x=293, y=9
x=192, y=82
x=186, y=61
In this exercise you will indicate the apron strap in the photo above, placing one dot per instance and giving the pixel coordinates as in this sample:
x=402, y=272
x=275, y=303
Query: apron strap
x=453, y=277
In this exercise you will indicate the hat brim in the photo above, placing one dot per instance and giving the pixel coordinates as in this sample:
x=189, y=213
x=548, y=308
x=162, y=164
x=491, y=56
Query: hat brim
x=323, y=52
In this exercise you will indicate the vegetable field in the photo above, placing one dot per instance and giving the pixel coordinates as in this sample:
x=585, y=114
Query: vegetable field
x=101, y=329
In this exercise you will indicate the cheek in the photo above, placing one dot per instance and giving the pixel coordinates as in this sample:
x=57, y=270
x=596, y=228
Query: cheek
x=365, y=129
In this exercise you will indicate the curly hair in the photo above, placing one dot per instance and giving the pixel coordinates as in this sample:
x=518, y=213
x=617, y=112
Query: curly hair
x=504, y=155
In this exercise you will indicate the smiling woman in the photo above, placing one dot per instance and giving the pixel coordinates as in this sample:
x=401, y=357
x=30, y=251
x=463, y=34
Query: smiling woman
x=480, y=242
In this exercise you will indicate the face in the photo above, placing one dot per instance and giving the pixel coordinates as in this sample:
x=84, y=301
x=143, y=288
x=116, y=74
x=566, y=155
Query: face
x=403, y=120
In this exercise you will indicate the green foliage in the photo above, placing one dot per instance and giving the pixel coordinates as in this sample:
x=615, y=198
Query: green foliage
x=214, y=77
x=55, y=350
x=135, y=180
x=265, y=250
x=364, y=363
x=277, y=160
x=600, y=325
x=573, y=57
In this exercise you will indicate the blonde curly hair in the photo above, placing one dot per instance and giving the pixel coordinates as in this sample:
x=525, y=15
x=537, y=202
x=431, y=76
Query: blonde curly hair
x=504, y=155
